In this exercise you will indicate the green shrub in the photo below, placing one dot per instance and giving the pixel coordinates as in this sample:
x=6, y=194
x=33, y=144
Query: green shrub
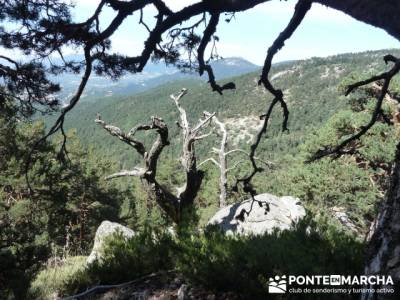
x=223, y=263
x=242, y=265
x=51, y=281
x=147, y=252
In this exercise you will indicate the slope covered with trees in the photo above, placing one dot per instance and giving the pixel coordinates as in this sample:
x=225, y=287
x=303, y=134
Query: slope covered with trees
x=318, y=113
x=313, y=93
x=311, y=86
x=59, y=217
x=47, y=28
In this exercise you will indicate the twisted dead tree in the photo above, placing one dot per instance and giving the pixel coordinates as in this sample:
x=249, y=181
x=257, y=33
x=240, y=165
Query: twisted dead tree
x=172, y=204
x=222, y=161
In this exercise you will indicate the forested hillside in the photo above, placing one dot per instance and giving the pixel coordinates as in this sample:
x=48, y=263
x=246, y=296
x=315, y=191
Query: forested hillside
x=75, y=188
x=314, y=92
x=311, y=87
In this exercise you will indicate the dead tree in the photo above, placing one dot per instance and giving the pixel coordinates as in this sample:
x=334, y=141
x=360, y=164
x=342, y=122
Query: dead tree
x=172, y=204
x=222, y=162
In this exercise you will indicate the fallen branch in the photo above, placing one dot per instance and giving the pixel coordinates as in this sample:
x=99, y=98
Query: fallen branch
x=103, y=288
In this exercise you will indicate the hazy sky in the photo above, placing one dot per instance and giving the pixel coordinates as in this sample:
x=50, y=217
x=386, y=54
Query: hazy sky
x=323, y=32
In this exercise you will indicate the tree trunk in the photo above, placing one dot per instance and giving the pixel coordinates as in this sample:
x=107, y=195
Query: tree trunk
x=222, y=156
x=381, y=14
x=383, y=253
x=167, y=201
x=223, y=180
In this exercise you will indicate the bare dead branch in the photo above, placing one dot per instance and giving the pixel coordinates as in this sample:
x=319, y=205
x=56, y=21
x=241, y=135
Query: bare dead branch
x=301, y=9
x=222, y=158
x=126, y=138
x=236, y=150
x=236, y=165
x=200, y=137
x=184, y=122
x=190, y=134
x=138, y=172
x=203, y=122
x=211, y=160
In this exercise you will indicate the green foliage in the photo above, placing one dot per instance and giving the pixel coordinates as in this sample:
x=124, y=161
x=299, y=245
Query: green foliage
x=319, y=115
x=356, y=183
x=71, y=200
x=66, y=203
x=147, y=252
x=326, y=184
x=51, y=280
x=143, y=254
x=223, y=263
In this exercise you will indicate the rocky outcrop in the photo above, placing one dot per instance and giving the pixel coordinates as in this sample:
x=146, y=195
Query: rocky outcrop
x=340, y=214
x=106, y=229
x=277, y=213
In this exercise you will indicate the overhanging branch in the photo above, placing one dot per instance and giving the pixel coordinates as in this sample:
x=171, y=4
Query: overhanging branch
x=386, y=77
x=301, y=9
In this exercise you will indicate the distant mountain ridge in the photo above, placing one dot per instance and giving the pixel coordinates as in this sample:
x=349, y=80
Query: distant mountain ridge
x=152, y=76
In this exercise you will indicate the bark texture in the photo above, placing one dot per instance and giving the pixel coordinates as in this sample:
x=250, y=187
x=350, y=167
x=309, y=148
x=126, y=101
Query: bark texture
x=384, y=248
x=382, y=14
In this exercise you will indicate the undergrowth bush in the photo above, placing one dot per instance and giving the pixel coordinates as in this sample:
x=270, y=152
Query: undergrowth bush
x=244, y=264
x=222, y=263
x=52, y=280
x=123, y=260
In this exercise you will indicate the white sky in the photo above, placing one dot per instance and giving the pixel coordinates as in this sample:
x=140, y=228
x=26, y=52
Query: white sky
x=323, y=32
